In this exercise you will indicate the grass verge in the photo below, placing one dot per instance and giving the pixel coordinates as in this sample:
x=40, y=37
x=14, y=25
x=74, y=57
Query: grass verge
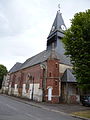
x=85, y=114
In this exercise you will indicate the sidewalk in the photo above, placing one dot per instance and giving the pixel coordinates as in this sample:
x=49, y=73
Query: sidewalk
x=60, y=108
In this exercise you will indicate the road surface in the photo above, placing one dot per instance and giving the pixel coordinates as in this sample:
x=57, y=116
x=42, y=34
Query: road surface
x=11, y=109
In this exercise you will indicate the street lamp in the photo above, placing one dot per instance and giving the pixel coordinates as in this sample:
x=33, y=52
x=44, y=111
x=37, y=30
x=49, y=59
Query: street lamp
x=32, y=88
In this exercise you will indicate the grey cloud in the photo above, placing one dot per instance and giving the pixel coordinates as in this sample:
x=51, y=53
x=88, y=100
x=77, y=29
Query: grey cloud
x=16, y=20
x=25, y=25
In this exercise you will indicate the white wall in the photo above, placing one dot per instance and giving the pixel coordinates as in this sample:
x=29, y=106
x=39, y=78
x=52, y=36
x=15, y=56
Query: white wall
x=37, y=92
x=15, y=90
x=63, y=67
x=24, y=90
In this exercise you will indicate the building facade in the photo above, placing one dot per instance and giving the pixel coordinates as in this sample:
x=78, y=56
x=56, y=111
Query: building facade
x=41, y=77
x=5, y=83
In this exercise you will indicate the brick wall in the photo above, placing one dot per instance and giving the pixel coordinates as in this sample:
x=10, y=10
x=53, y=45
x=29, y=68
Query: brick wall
x=48, y=77
x=53, y=80
x=23, y=77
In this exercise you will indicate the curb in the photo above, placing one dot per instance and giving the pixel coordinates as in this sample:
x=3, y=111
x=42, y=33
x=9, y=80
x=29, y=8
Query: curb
x=83, y=118
x=43, y=107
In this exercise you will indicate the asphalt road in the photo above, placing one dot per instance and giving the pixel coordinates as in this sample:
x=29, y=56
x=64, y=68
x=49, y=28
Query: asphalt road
x=11, y=109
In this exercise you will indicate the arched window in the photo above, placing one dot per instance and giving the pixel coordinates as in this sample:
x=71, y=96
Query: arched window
x=56, y=82
x=56, y=65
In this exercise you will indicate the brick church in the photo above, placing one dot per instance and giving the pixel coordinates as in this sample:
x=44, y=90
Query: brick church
x=46, y=76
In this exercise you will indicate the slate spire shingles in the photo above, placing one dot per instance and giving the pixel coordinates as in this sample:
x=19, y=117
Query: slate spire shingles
x=58, y=22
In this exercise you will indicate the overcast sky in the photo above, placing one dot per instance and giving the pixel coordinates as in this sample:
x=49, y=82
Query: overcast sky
x=25, y=25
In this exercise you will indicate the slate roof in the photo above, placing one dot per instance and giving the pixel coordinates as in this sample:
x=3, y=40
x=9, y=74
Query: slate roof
x=43, y=56
x=39, y=58
x=15, y=68
x=68, y=76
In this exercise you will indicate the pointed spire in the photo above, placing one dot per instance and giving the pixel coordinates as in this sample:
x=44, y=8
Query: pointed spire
x=58, y=25
x=59, y=7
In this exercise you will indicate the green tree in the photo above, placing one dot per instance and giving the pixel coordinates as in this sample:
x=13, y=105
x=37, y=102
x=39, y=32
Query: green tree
x=3, y=71
x=77, y=45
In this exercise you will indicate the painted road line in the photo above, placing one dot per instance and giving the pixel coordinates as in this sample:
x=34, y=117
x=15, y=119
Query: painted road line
x=11, y=107
x=35, y=118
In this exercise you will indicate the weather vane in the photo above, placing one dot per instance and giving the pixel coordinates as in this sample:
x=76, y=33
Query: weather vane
x=59, y=7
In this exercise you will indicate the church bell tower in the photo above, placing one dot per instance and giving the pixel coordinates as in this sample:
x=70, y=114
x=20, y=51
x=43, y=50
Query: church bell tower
x=56, y=33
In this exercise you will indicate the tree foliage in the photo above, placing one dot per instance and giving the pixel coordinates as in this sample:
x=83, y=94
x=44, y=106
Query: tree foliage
x=77, y=45
x=3, y=71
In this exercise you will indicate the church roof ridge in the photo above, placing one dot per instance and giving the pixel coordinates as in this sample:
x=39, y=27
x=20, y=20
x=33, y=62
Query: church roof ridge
x=39, y=58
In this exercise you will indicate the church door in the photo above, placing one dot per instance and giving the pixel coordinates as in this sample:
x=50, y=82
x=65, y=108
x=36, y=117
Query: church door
x=49, y=94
